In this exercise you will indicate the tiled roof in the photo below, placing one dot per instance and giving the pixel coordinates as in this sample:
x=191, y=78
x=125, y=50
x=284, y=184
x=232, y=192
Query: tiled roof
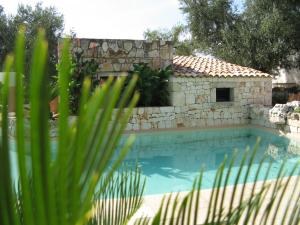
x=190, y=66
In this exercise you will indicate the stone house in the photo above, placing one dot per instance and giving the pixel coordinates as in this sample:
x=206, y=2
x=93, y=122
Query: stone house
x=204, y=91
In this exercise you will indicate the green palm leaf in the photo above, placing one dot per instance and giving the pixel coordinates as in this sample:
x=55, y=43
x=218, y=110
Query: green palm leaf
x=120, y=198
x=82, y=183
x=58, y=187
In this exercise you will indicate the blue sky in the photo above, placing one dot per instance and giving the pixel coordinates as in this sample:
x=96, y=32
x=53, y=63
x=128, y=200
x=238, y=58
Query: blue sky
x=112, y=18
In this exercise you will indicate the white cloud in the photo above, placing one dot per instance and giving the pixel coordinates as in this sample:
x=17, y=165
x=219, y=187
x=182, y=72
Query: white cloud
x=112, y=18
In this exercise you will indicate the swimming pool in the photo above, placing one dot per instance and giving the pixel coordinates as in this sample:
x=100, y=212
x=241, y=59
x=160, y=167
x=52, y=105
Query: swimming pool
x=170, y=161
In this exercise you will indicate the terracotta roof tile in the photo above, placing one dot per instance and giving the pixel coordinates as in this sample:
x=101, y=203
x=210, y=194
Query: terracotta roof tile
x=203, y=66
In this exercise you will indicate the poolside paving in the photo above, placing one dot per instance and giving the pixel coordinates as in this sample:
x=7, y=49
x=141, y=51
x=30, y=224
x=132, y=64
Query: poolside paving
x=152, y=203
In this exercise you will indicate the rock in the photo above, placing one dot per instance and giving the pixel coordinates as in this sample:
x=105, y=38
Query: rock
x=117, y=67
x=161, y=125
x=178, y=98
x=164, y=53
x=279, y=113
x=121, y=60
x=107, y=67
x=162, y=42
x=190, y=99
x=139, y=53
x=114, y=46
x=128, y=46
x=140, y=111
x=277, y=120
x=146, y=126
x=132, y=53
x=153, y=53
x=77, y=50
x=138, y=43
x=281, y=110
x=167, y=109
x=105, y=46
x=154, y=45
x=93, y=44
x=294, y=104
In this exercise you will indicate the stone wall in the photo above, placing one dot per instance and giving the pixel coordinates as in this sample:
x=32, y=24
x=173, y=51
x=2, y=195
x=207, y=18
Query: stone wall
x=194, y=104
x=183, y=116
x=115, y=56
x=246, y=91
x=262, y=116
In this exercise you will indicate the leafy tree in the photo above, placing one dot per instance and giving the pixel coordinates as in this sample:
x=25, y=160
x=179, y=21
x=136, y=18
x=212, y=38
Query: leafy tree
x=6, y=35
x=182, y=45
x=264, y=35
x=33, y=18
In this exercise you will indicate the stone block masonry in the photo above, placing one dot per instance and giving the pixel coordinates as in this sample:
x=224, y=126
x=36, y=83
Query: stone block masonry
x=178, y=117
x=195, y=96
x=202, y=91
x=115, y=56
x=194, y=104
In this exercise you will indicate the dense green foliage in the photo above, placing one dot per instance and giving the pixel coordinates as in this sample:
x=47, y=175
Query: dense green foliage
x=33, y=19
x=182, y=45
x=6, y=35
x=81, y=69
x=264, y=35
x=297, y=110
x=152, y=84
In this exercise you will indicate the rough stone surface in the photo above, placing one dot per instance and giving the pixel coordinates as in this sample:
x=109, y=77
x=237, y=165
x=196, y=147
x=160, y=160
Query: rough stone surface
x=280, y=112
x=193, y=99
x=278, y=117
x=52, y=126
x=128, y=45
x=115, y=56
x=145, y=118
x=194, y=104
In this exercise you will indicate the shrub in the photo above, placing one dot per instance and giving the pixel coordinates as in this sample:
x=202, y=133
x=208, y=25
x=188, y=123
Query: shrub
x=152, y=84
x=81, y=69
x=297, y=110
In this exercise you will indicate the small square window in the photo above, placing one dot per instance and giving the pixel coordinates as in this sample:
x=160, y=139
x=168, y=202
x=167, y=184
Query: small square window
x=224, y=94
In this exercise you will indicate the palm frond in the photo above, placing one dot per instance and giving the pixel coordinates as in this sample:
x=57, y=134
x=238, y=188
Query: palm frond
x=56, y=186
x=119, y=198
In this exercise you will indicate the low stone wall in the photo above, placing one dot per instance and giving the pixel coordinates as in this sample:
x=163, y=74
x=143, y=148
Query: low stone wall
x=184, y=116
x=260, y=115
x=12, y=127
x=148, y=118
x=293, y=123
x=194, y=104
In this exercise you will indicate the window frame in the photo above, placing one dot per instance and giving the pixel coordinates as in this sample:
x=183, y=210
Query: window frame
x=230, y=98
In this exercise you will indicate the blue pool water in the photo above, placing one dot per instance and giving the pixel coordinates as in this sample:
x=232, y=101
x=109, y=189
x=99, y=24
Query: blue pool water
x=170, y=161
